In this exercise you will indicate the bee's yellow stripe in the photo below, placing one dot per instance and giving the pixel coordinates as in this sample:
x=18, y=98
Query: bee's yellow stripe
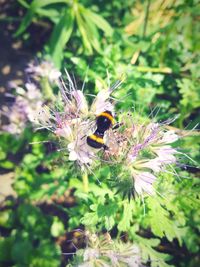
x=97, y=139
x=107, y=115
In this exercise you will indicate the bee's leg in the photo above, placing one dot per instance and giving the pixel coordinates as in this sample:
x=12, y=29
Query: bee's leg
x=117, y=125
x=105, y=147
x=83, y=137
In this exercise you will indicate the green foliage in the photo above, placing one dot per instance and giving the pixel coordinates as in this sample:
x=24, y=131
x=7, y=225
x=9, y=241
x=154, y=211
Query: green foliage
x=30, y=241
x=159, y=54
x=64, y=14
x=149, y=253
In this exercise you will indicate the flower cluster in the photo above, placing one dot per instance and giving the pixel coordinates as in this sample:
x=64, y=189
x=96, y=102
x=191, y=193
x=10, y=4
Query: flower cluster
x=103, y=251
x=74, y=120
x=26, y=106
x=139, y=148
x=45, y=69
x=28, y=101
x=145, y=150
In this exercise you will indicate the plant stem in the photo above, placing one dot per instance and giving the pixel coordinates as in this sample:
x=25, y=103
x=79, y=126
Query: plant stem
x=146, y=18
x=85, y=182
x=154, y=70
x=47, y=90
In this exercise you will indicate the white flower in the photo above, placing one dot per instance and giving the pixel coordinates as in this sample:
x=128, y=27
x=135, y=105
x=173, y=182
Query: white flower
x=27, y=104
x=80, y=101
x=80, y=151
x=165, y=154
x=169, y=137
x=153, y=164
x=143, y=183
x=64, y=131
x=133, y=153
x=14, y=128
x=76, y=120
x=91, y=254
x=113, y=257
x=134, y=259
x=102, y=103
x=45, y=69
x=32, y=92
x=105, y=252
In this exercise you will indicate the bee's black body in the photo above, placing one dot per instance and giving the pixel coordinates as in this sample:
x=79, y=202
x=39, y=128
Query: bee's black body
x=104, y=122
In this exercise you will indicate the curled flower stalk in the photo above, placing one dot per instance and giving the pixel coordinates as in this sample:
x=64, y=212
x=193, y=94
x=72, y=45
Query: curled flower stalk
x=101, y=250
x=144, y=150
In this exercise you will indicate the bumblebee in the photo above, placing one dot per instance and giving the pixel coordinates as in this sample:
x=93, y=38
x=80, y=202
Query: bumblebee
x=104, y=121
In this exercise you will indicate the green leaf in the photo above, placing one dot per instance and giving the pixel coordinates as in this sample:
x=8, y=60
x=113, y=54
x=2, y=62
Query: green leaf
x=31, y=161
x=22, y=251
x=51, y=13
x=103, y=213
x=160, y=221
x=60, y=36
x=6, y=218
x=99, y=21
x=23, y=3
x=57, y=228
x=82, y=28
x=156, y=258
x=90, y=219
x=107, y=212
x=2, y=154
x=5, y=249
x=36, y=4
x=92, y=33
x=25, y=22
x=46, y=254
x=7, y=164
x=127, y=217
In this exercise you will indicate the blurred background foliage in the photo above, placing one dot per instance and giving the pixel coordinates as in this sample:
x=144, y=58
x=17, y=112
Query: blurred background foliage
x=156, y=44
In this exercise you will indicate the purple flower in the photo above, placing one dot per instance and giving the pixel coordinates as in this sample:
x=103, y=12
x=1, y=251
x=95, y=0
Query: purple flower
x=76, y=120
x=44, y=69
x=27, y=104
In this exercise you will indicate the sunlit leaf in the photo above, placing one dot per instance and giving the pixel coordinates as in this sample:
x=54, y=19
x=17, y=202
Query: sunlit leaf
x=99, y=21
x=60, y=36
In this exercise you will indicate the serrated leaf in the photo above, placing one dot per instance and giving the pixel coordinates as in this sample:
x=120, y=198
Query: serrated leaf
x=160, y=222
x=149, y=254
x=125, y=223
x=89, y=218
